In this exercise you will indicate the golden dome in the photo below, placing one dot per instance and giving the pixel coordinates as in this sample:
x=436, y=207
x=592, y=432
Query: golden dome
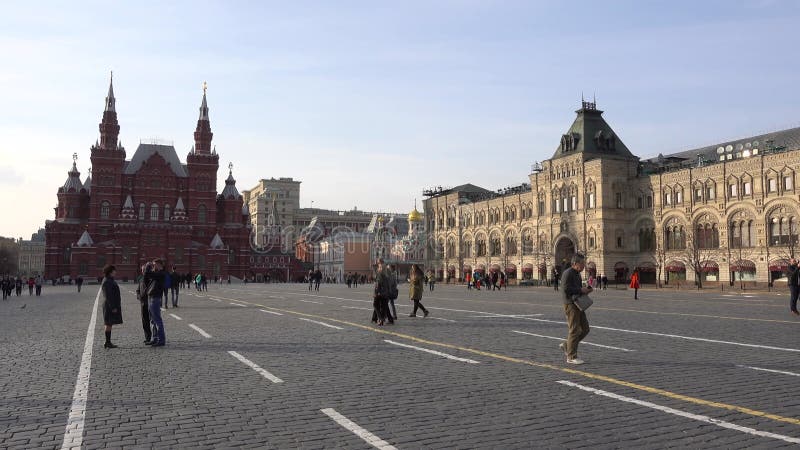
x=415, y=216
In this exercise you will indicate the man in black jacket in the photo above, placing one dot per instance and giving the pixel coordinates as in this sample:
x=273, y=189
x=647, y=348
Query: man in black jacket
x=155, y=291
x=174, y=288
x=141, y=294
x=578, y=324
x=794, y=286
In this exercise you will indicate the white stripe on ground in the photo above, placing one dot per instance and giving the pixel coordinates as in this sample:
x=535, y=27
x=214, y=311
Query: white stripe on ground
x=199, y=330
x=782, y=372
x=433, y=352
x=582, y=342
x=321, y=323
x=271, y=312
x=238, y=304
x=73, y=434
x=309, y=301
x=677, y=412
x=176, y=317
x=517, y=316
x=439, y=318
x=353, y=427
x=256, y=367
x=357, y=307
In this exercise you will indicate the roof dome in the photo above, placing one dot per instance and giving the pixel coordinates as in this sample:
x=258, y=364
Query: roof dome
x=415, y=216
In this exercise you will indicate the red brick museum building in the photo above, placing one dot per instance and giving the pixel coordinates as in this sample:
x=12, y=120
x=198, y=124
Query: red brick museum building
x=129, y=211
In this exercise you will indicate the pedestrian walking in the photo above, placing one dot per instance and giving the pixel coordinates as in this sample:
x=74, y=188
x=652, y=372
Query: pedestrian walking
x=468, y=277
x=635, y=284
x=4, y=287
x=431, y=281
x=417, y=286
x=79, y=283
x=38, y=281
x=317, y=279
x=112, y=303
x=18, y=286
x=175, y=288
x=577, y=322
x=794, y=286
x=167, y=286
x=380, y=296
x=393, y=293
x=605, y=282
x=30, y=285
x=555, y=279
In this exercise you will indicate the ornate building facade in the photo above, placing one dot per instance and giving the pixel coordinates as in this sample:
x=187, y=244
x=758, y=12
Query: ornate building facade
x=153, y=205
x=719, y=214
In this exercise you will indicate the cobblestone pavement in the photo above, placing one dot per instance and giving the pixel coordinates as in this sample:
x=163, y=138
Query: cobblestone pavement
x=277, y=366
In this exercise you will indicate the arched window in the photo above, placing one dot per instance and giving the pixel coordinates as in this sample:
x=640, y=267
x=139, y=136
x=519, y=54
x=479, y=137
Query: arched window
x=466, y=249
x=105, y=207
x=675, y=237
x=480, y=246
x=742, y=234
x=527, y=242
x=451, y=248
x=495, y=245
x=783, y=230
x=166, y=213
x=201, y=214
x=511, y=245
x=141, y=211
x=647, y=241
x=706, y=235
x=154, y=212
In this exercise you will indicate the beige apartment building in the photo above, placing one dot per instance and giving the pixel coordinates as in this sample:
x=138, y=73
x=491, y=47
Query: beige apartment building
x=719, y=214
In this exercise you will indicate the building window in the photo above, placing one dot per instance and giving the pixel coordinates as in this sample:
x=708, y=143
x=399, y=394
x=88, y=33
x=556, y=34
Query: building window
x=639, y=202
x=783, y=231
x=141, y=211
x=772, y=185
x=541, y=208
x=166, y=213
x=618, y=200
x=201, y=214
x=648, y=201
x=698, y=195
x=674, y=238
x=153, y=212
x=101, y=261
x=747, y=188
x=668, y=198
x=707, y=236
x=710, y=192
x=787, y=183
x=619, y=242
x=741, y=233
x=574, y=203
x=679, y=197
x=733, y=190
x=105, y=207
x=591, y=200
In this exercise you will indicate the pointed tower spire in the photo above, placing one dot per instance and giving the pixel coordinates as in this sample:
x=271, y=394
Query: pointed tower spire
x=109, y=127
x=203, y=134
x=110, y=100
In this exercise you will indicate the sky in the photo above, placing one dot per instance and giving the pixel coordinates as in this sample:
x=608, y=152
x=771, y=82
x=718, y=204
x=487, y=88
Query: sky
x=370, y=102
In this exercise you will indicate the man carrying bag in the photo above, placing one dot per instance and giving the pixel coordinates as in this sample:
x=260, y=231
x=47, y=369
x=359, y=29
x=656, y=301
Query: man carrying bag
x=576, y=301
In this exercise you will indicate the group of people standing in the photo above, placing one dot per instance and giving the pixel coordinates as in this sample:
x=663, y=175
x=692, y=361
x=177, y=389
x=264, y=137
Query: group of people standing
x=492, y=281
x=10, y=285
x=385, y=293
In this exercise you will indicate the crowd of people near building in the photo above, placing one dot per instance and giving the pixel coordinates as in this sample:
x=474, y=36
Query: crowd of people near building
x=15, y=285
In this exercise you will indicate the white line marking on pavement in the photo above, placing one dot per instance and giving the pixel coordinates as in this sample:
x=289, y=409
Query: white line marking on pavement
x=357, y=307
x=439, y=318
x=676, y=336
x=199, y=330
x=309, y=301
x=782, y=372
x=238, y=304
x=73, y=434
x=176, y=317
x=353, y=427
x=518, y=316
x=321, y=323
x=433, y=352
x=582, y=342
x=271, y=312
x=677, y=412
x=256, y=367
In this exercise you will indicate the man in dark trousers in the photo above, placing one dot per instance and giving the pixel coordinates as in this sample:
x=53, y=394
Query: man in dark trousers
x=794, y=286
x=577, y=323
x=154, y=280
x=175, y=287
x=141, y=294
x=79, y=282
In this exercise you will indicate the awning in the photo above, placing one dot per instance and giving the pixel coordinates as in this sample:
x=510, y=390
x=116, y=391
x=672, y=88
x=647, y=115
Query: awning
x=527, y=270
x=780, y=265
x=743, y=266
x=646, y=269
x=511, y=268
x=467, y=269
x=709, y=266
x=676, y=266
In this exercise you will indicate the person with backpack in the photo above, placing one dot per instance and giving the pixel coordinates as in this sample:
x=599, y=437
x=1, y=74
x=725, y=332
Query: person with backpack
x=380, y=296
x=154, y=280
x=167, y=286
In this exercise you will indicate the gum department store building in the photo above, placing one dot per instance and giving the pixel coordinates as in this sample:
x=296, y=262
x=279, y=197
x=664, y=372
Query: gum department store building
x=724, y=213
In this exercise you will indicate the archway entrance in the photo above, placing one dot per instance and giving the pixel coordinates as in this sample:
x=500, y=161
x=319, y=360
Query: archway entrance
x=565, y=248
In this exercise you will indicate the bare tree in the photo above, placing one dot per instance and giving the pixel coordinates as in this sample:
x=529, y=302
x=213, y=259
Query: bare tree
x=738, y=254
x=660, y=256
x=697, y=256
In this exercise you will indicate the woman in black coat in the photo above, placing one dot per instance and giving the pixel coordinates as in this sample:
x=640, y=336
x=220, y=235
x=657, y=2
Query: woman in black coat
x=112, y=303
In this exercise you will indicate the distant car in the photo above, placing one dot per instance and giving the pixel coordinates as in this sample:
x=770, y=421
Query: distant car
x=528, y=283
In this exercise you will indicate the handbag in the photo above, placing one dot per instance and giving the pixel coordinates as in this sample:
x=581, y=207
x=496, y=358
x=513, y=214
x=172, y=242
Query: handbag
x=583, y=302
